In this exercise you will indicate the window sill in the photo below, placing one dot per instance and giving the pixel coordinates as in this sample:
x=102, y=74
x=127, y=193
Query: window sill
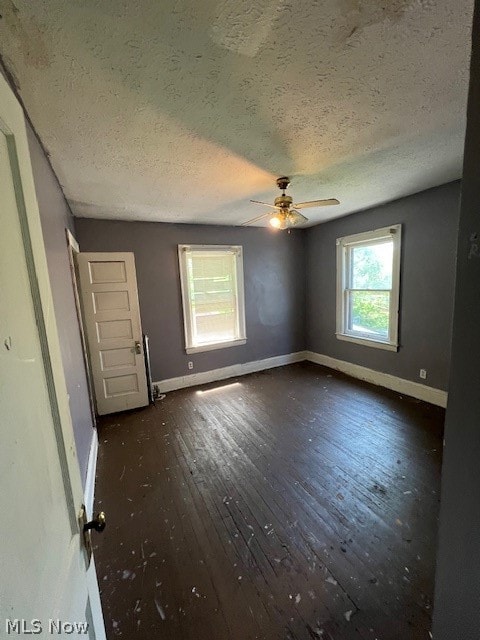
x=216, y=345
x=367, y=342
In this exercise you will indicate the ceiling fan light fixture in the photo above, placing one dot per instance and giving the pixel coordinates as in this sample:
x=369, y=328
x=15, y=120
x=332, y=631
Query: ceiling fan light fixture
x=287, y=214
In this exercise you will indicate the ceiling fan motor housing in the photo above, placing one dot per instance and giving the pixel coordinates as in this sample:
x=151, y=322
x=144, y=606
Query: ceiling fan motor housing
x=283, y=202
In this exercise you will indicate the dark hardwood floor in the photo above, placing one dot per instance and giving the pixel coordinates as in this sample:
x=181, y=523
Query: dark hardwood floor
x=296, y=503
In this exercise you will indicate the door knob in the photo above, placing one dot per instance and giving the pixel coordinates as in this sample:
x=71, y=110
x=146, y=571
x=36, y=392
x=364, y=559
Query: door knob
x=98, y=523
x=138, y=347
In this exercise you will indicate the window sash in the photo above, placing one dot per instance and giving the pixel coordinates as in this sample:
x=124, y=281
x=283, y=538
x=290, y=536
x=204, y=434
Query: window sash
x=206, y=297
x=349, y=320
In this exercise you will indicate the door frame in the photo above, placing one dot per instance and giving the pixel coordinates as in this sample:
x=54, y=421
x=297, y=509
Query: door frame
x=73, y=250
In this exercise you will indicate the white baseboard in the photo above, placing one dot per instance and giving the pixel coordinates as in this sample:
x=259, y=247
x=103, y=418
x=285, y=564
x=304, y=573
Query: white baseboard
x=234, y=370
x=89, y=493
x=409, y=388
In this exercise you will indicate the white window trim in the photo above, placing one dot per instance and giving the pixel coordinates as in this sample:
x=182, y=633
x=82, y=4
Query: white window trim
x=187, y=315
x=393, y=232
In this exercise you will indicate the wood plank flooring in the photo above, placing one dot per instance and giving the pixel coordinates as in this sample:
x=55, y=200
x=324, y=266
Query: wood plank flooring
x=291, y=504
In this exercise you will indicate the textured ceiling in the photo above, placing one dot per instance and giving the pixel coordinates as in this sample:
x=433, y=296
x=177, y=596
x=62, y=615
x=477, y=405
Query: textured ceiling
x=182, y=111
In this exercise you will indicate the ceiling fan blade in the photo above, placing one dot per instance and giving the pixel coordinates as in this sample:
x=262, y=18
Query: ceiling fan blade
x=316, y=203
x=295, y=217
x=272, y=206
x=264, y=215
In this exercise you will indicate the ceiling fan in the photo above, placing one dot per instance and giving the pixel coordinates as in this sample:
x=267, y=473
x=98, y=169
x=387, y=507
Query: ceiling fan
x=286, y=214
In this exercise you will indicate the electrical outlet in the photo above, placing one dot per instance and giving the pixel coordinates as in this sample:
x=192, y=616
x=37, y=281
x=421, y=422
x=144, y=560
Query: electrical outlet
x=190, y=365
x=423, y=374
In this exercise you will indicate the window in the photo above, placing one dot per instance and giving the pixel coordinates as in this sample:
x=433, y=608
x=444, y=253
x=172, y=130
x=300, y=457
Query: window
x=213, y=298
x=368, y=275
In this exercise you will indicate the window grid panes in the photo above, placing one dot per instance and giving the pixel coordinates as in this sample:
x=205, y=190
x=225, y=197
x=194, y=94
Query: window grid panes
x=213, y=297
x=368, y=289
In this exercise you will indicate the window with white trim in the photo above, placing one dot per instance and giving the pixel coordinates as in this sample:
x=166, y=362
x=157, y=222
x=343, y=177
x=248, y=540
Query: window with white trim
x=213, y=296
x=368, y=279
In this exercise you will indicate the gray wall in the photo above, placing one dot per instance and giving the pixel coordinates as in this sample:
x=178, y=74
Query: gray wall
x=55, y=218
x=274, y=272
x=429, y=232
x=457, y=601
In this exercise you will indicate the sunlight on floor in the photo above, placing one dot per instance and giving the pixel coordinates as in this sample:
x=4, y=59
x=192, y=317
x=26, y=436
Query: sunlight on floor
x=220, y=388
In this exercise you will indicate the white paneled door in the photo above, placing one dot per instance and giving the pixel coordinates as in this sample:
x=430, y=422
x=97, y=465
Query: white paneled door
x=108, y=290
x=46, y=587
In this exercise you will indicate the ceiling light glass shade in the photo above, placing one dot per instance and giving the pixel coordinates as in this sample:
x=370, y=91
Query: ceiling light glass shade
x=294, y=218
x=279, y=221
